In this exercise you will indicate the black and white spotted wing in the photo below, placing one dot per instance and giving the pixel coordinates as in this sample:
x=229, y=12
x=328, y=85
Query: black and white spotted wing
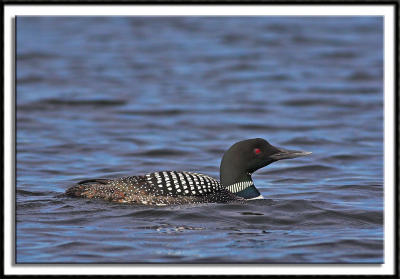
x=175, y=183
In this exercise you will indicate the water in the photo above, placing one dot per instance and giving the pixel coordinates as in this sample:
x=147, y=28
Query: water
x=109, y=96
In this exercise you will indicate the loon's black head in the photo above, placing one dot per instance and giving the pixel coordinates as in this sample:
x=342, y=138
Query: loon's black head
x=245, y=157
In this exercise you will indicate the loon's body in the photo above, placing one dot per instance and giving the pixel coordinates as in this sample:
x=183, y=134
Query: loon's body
x=157, y=188
x=180, y=187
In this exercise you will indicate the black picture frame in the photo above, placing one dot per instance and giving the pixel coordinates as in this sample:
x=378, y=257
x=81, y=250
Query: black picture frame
x=396, y=100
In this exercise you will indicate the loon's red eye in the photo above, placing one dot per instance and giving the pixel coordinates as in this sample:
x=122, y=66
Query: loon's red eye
x=257, y=151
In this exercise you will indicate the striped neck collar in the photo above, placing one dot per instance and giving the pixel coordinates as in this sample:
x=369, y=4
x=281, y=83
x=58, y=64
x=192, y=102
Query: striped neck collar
x=245, y=189
x=239, y=186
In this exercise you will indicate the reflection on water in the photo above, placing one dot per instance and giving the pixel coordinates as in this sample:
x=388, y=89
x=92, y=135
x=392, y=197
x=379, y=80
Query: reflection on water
x=117, y=96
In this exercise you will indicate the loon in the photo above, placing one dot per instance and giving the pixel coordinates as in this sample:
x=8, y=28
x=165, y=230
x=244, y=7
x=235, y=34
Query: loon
x=182, y=187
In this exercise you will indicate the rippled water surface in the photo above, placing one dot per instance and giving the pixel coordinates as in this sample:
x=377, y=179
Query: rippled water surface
x=110, y=97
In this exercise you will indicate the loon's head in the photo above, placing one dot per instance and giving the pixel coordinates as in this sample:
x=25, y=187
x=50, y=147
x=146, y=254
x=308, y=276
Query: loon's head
x=245, y=157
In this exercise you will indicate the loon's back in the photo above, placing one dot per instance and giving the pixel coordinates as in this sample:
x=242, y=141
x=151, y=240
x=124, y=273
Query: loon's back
x=157, y=188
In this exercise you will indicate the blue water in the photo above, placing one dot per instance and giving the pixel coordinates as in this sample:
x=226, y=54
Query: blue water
x=116, y=96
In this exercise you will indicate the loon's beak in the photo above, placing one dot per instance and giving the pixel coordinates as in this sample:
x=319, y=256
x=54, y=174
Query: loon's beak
x=288, y=154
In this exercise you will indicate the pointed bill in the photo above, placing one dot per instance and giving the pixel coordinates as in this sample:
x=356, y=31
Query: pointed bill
x=288, y=154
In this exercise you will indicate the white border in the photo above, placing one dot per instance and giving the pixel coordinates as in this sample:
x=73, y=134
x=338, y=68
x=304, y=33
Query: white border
x=10, y=11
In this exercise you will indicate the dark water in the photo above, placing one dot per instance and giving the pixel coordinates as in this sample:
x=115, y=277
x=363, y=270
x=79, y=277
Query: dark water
x=109, y=97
